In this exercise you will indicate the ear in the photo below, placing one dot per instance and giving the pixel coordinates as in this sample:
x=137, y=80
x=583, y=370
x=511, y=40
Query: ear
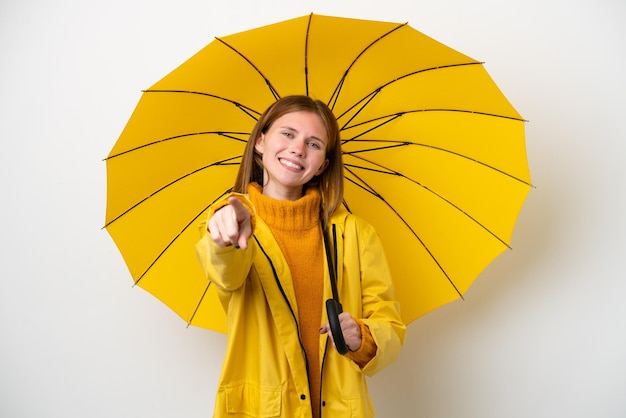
x=259, y=144
x=322, y=168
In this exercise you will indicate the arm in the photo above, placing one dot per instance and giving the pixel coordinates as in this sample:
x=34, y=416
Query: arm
x=380, y=310
x=375, y=334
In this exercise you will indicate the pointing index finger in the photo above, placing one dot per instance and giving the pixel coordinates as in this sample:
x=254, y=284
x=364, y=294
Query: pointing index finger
x=241, y=218
x=239, y=210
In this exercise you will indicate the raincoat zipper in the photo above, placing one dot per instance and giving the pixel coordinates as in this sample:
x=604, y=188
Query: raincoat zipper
x=321, y=405
x=282, y=292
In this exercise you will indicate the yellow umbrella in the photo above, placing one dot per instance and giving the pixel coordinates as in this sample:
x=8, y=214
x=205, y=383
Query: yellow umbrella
x=434, y=154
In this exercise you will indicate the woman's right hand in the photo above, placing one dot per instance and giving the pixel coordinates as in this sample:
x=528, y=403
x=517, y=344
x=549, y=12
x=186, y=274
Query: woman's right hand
x=230, y=225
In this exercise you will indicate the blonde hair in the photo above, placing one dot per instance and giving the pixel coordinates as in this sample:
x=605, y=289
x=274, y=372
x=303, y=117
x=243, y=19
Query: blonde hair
x=330, y=181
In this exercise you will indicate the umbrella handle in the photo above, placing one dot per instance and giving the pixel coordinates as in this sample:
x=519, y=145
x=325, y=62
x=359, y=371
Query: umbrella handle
x=333, y=309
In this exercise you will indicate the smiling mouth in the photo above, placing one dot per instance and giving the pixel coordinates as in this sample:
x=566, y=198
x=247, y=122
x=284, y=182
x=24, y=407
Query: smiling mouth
x=290, y=164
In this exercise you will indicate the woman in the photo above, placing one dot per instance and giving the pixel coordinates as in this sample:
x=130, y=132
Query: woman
x=265, y=254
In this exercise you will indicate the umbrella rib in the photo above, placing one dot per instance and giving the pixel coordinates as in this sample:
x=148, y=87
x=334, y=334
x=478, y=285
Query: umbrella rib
x=195, y=218
x=220, y=133
x=250, y=112
x=385, y=120
x=387, y=84
x=335, y=96
x=228, y=161
x=369, y=98
x=394, y=144
x=306, y=55
x=267, y=81
x=390, y=117
x=387, y=170
x=195, y=311
x=370, y=190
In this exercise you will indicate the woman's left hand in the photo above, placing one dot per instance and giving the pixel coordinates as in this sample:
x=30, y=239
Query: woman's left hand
x=350, y=328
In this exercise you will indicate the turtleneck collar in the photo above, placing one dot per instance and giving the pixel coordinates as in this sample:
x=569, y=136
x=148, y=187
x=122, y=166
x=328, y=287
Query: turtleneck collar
x=300, y=214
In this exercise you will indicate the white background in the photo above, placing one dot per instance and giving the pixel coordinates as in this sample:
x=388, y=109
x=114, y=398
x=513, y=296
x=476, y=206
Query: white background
x=542, y=333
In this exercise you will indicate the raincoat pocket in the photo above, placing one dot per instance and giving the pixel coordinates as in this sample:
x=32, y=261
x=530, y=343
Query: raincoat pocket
x=353, y=407
x=253, y=400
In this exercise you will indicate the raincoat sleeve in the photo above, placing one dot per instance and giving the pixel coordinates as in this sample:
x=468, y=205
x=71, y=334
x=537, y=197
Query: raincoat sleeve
x=380, y=310
x=226, y=267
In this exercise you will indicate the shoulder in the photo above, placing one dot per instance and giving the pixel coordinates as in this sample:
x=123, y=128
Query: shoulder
x=348, y=222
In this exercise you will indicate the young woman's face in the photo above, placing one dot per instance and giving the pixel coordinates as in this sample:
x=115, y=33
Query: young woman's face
x=294, y=150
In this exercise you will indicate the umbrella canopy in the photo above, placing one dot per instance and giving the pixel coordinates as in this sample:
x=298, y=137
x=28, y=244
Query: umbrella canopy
x=434, y=154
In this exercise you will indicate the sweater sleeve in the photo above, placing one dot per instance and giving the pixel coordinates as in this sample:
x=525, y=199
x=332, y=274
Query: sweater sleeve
x=367, y=350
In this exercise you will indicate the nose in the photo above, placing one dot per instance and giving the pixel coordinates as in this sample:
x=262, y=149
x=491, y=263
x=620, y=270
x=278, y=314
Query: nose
x=297, y=147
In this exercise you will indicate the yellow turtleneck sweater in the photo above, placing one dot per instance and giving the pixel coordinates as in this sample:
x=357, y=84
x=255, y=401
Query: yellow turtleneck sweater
x=296, y=226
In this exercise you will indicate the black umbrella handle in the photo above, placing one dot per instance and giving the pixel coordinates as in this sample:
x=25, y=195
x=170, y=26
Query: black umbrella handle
x=333, y=309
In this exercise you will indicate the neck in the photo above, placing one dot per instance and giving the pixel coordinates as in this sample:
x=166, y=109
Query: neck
x=278, y=192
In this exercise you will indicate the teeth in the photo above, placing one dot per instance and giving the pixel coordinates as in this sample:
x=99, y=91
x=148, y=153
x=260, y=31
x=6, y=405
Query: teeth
x=290, y=164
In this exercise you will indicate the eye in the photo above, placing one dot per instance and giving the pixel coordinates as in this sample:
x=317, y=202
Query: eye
x=315, y=145
x=287, y=134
